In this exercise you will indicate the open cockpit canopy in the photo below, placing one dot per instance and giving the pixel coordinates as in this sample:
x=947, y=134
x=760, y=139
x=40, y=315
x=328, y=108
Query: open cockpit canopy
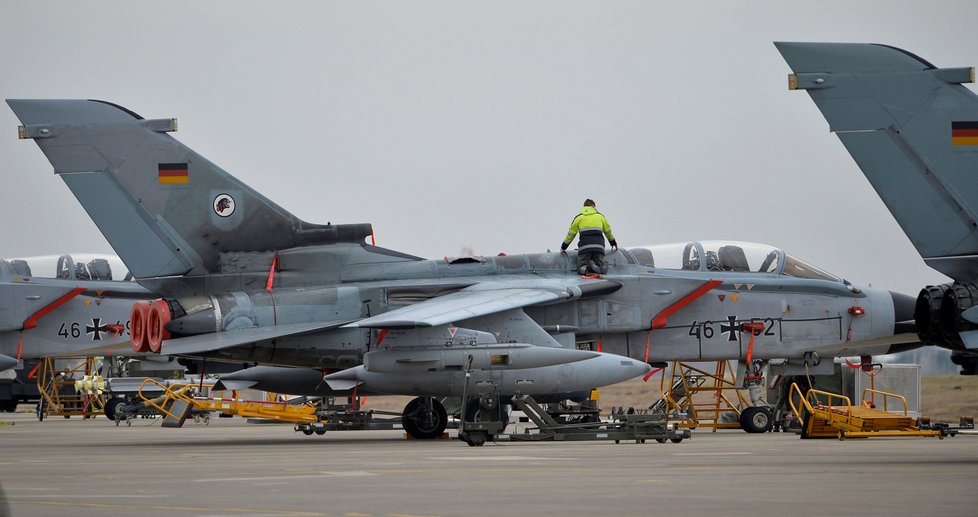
x=67, y=267
x=727, y=256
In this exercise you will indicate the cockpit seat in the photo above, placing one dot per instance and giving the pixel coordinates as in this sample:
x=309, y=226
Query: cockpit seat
x=20, y=267
x=99, y=269
x=732, y=258
x=81, y=273
x=643, y=256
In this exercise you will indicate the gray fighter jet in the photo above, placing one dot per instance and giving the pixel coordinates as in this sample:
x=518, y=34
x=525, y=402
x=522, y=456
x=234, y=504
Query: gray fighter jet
x=65, y=308
x=242, y=279
x=913, y=130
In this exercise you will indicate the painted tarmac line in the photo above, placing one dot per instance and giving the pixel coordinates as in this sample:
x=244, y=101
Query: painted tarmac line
x=352, y=473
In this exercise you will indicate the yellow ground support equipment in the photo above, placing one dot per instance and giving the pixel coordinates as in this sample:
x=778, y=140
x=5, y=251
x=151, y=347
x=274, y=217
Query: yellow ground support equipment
x=179, y=401
x=59, y=394
x=829, y=415
x=701, y=397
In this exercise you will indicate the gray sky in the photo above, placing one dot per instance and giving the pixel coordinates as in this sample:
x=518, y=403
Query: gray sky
x=484, y=125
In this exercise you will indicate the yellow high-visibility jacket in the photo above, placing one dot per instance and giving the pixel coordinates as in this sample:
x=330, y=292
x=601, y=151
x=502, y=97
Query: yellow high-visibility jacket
x=593, y=228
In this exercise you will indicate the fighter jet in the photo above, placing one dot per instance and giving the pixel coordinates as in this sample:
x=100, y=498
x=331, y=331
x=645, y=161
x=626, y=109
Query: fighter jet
x=242, y=279
x=69, y=307
x=913, y=130
x=65, y=307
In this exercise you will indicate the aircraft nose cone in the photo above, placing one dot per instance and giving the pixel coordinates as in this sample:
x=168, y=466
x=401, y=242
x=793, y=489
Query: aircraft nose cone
x=641, y=369
x=620, y=368
x=903, y=308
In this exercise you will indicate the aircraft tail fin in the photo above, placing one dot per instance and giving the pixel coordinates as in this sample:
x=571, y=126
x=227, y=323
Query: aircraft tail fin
x=913, y=130
x=165, y=209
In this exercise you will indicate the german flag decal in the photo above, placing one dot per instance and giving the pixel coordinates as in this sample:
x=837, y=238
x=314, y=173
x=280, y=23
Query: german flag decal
x=964, y=133
x=173, y=174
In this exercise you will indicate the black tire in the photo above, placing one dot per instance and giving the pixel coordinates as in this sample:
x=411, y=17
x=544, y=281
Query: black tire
x=421, y=423
x=10, y=405
x=756, y=420
x=307, y=431
x=114, y=408
x=676, y=440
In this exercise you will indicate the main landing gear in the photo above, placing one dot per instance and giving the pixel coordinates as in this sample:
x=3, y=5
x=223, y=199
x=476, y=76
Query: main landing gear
x=757, y=418
x=424, y=418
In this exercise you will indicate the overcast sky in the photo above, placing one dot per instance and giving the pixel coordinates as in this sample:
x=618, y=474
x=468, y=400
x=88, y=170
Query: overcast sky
x=484, y=125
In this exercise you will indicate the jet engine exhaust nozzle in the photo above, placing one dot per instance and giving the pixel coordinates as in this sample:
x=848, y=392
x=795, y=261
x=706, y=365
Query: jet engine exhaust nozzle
x=138, y=319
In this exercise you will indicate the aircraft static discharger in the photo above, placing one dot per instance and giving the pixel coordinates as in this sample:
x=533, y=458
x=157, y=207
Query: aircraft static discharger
x=912, y=129
x=243, y=280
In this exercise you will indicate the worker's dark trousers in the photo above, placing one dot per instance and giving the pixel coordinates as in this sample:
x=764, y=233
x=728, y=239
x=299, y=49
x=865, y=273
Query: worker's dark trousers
x=591, y=262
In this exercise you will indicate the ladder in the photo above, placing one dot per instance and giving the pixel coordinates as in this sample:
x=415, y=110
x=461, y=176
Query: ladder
x=59, y=394
x=701, y=396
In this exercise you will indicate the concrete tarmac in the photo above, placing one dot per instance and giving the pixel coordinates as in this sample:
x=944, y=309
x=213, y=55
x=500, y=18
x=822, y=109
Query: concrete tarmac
x=230, y=467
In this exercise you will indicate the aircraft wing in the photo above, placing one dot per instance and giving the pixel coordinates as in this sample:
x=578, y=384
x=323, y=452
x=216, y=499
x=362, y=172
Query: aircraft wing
x=229, y=338
x=481, y=300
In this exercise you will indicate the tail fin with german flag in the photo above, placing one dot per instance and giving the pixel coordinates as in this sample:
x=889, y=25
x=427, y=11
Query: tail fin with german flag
x=913, y=130
x=166, y=210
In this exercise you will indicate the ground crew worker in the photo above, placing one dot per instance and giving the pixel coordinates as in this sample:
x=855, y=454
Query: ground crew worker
x=593, y=228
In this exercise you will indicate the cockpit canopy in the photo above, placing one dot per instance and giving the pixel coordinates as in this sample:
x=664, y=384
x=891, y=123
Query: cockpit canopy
x=68, y=267
x=727, y=256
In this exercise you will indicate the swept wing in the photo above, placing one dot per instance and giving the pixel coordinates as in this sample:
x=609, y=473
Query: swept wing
x=230, y=338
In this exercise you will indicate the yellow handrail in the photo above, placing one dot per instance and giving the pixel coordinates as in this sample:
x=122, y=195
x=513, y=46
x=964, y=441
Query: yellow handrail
x=173, y=391
x=812, y=397
x=801, y=397
x=886, y=396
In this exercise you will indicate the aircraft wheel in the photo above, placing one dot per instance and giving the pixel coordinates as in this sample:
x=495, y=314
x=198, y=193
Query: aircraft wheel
x=424, y=418
x=115, y=407
x=756, y=420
